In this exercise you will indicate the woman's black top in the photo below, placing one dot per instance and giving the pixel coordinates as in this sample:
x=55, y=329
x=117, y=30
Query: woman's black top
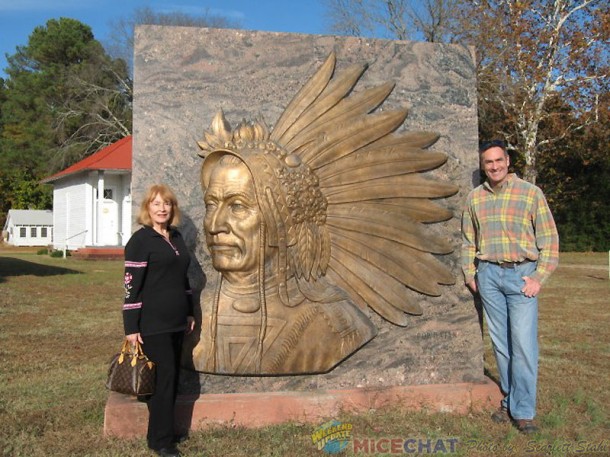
x=158, y=296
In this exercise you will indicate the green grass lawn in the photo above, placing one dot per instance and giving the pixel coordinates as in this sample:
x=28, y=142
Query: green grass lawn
x=60, y=322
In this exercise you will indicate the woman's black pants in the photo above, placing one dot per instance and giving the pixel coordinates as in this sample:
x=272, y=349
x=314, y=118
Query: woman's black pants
x=165, y=351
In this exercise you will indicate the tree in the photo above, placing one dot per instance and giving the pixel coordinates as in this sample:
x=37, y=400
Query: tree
x=432, y=20
x=530, y=52
x=24, y=191
x=543, y=77
x=575, y=175
x=64, y=98
x=95, y=110
x=121, y=43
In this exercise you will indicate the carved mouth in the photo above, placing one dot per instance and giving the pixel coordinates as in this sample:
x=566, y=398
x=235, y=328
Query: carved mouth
x=222, y=247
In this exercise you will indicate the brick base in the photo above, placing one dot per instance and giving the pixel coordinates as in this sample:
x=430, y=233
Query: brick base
x=126, y=417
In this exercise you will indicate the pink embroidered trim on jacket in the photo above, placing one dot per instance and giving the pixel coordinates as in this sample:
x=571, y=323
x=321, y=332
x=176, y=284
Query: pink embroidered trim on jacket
x=136, y=264
x=128, y=306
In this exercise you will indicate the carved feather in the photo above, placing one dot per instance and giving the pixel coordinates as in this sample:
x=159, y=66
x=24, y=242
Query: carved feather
x=418, y=209
x=316, y=251
x=352, y=136
x=325, y=249
x=431, y=266
x=305, y=97
x=341, y=282
x=413, y=186
x=301, y=248
x=392, y=226
x=347, y=109
x=403, y=272
x=373, y=284
x=295, y=264
x=309, y=251
x=359, y=288
x=415, y=139
x=361, y=167
x=333, y=93
x=419, y=271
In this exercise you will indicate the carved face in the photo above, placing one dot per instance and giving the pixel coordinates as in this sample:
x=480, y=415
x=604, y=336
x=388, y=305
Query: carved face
x=232, y=219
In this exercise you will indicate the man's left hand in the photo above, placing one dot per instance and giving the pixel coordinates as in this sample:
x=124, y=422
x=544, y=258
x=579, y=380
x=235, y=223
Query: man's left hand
x=532, y=286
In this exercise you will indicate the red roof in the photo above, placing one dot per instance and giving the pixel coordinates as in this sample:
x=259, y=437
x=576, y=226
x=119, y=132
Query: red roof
x=117, y=156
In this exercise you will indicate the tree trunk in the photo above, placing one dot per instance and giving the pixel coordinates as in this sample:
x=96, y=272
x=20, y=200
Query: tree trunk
x=529, y=171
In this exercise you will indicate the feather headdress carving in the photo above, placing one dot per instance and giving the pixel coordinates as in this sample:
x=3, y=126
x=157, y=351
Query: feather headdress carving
x=344, y=194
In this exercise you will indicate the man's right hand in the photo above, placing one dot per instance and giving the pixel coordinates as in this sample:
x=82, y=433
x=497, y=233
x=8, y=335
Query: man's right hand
x=472, y=285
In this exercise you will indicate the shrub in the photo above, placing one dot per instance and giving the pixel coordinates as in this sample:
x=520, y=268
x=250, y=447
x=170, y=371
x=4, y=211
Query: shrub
x=58, y=253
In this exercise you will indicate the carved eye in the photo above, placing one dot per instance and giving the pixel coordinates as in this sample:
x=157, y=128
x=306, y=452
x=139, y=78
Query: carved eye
x=210, y=207
x=238, y=207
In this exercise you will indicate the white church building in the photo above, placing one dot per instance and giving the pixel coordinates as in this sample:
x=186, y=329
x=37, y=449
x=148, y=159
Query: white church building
x=92, y=200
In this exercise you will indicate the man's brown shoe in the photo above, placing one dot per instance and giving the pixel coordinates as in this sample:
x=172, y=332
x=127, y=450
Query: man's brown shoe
x=500, y=416
x=526, y=426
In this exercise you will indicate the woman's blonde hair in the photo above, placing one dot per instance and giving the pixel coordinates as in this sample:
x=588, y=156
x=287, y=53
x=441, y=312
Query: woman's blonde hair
x=167, y=195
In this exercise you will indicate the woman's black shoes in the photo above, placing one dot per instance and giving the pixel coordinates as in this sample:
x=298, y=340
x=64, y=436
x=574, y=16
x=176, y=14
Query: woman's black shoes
x=168, y=452
x=179, y=439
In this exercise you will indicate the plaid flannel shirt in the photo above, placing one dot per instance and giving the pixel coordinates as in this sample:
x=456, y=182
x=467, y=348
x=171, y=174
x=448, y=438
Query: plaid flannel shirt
x=510, y=224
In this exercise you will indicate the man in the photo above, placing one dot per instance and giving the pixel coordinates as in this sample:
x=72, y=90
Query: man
x=509, y=249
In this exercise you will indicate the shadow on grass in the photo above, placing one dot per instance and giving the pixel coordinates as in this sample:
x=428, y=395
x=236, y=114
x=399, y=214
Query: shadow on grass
x=10, y=266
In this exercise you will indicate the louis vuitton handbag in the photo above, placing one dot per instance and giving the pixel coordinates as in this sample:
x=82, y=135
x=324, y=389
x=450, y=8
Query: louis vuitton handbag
x=131, y=372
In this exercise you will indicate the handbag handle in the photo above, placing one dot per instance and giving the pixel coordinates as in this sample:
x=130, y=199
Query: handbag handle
x=134, y=350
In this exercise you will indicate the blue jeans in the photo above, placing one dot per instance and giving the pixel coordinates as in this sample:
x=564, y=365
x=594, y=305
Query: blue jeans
x=512, y=320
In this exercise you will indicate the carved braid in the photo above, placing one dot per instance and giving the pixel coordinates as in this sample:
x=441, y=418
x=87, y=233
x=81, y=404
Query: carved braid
x=214, y=321
x=262, y=298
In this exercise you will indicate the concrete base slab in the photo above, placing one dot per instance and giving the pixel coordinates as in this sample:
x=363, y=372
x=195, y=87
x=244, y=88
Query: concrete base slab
x=126, y=417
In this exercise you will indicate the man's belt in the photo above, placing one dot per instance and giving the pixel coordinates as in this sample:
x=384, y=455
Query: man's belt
x=510, y=264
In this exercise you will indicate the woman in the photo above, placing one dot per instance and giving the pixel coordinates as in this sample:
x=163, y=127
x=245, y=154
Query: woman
x=158, y=307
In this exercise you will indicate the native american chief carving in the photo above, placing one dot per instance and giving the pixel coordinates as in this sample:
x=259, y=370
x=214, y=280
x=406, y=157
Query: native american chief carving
x=312, y=223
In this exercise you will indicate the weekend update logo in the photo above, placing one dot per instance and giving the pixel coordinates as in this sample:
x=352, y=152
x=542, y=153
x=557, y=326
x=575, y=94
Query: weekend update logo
x=332, y=436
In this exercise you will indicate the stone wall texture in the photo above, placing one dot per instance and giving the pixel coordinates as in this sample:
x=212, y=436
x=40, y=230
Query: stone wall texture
x=184, y=75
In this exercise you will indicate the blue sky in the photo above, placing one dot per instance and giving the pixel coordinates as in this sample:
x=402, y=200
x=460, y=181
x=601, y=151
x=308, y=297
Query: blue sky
x=18, y=18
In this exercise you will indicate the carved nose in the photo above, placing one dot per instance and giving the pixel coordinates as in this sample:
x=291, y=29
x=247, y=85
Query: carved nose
x=217, y=222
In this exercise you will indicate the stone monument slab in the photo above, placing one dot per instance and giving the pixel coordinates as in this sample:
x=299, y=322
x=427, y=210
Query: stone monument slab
x=184, y=75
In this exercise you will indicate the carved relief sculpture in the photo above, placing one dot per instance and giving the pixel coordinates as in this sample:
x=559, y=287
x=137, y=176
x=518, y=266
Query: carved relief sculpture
x=312, y=223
